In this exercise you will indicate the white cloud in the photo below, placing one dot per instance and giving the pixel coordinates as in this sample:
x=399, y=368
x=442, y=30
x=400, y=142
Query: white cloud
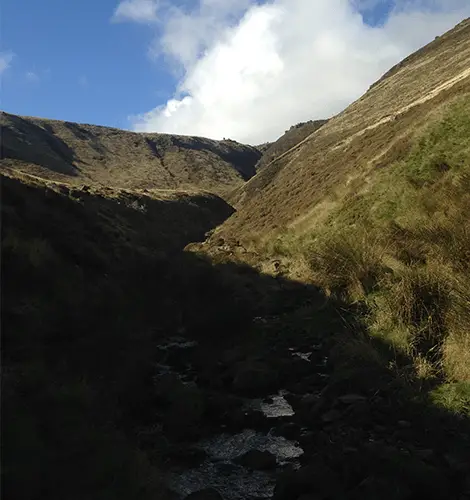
x=251, y=71
x=140, y=11
x=5, y=61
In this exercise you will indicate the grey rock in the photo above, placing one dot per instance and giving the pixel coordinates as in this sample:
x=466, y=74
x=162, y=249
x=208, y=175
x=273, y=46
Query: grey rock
x=350, y=399
x=257, y=460
x=331, y=416
x=253, y=377
x=205, y=494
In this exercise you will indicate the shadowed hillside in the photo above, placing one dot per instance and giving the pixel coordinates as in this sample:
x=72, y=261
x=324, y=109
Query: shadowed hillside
x=76, y=153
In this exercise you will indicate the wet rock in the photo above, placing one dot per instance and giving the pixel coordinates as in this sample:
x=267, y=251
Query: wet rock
x=226, y=468
x=300, y=367
x=189, y=457
x=331, y=416
x=404, y=424
x=310, y=400
x=426, y=454
x=248, y=419
x=186, y=409
x=289, y=430
x=220, y=407
x=257, y=460
x=307, y=440
x=360, y=413
x=253, y=378
x=373, y=488
x=350, y=399
x=206, y=494
x=167, y=384
x=315, y=479
x=380, y=429
x=457, y=463
x=392, y=464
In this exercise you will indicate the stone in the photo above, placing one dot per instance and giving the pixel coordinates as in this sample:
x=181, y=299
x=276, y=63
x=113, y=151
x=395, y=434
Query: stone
x=253, y=378
x=257, y=460
x=186, y=409
x=310, y=399
x=289, y=430
x=331, y=416
x=404, y=424
x=426, y=454
x=350, y=399
x=205, y=494
x=166, y=384
x=315, y=479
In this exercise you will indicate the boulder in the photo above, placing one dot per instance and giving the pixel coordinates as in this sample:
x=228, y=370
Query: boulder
x=186, y=409
x=257, y=460
x=253, y=378
x=315, y=479
x=205, y=494
x=349, y=399
x=331, y=416
x=289, y=430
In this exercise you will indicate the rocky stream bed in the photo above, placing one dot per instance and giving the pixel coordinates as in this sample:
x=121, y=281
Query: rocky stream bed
x=246, y=423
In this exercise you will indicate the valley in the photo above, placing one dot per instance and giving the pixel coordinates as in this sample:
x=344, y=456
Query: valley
x=184, y=318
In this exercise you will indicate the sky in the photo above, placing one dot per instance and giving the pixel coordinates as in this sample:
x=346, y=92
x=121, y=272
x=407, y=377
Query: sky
x=241, y=69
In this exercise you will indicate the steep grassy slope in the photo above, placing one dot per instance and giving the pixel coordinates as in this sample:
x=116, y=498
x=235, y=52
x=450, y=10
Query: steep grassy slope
x=288, y=140
x=74, y=153
x=373, y=207
x=271, y=151
x=300, y=185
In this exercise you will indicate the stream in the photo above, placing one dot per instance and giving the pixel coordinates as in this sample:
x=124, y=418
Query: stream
x=219, y=469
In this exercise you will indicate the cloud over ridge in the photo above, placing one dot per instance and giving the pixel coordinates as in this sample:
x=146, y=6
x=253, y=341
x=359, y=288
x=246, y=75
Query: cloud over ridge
x=250, y=70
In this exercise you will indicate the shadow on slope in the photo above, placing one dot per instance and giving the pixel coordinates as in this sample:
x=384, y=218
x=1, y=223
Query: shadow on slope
x=90, y=289
x=26, y=141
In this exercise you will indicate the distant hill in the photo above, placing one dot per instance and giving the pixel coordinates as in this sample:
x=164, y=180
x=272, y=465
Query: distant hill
x=88, y=154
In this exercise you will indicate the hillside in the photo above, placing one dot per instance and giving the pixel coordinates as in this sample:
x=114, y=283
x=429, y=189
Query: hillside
x=271, y=151
x=302, y=184
x=288, y=140
x=315, y=345
x=372, y=208
x=88, y=154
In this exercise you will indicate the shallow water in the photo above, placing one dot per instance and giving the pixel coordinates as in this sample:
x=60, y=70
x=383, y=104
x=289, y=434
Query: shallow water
x=218, y=471
x=278, y=407
x=233, y=481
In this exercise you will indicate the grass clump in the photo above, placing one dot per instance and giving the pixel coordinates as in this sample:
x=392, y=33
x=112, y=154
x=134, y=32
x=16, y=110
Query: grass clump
x=454, y=397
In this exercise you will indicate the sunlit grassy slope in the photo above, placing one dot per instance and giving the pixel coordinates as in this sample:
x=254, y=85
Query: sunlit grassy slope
x=374, y=208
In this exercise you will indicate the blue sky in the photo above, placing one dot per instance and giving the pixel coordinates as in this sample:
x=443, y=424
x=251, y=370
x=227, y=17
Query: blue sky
x=71, y=60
